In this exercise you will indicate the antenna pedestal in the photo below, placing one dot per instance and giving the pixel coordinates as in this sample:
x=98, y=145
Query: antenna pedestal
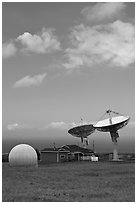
x=85, y=142
x=114, y=135
x=115, y=153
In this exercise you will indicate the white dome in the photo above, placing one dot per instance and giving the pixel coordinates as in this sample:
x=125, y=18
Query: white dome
x=23, y=155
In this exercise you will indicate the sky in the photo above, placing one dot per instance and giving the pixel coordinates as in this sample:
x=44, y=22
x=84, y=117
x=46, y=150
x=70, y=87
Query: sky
x=63, y=61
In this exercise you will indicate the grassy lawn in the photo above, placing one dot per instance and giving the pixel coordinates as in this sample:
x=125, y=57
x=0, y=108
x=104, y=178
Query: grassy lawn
x=71, y=181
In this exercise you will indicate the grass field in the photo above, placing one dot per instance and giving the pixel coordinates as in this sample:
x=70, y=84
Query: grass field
x=72, y=181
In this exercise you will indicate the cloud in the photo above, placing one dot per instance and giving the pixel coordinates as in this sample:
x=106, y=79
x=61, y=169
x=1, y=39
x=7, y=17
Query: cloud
x=30, y=81
x=111, y=43
x=16, y=126
x=43, y=42
x=104, y=11
x=8, y=50
x=64, y=126
x=60, y=125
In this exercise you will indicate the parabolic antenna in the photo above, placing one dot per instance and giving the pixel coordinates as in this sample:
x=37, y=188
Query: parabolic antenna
x=112, y=125
x=82, y=131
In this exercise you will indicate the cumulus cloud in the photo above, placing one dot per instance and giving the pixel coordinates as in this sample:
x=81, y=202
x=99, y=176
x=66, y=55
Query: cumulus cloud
x=43, y=42
x=111, y=43
x=8, y=50
x=30, y=81
x=104, y=11
x=16, y=126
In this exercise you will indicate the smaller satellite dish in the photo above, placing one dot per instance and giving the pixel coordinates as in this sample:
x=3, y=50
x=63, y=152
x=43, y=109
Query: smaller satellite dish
x=82, y=131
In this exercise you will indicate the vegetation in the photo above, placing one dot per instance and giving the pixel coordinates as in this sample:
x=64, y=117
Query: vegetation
x=71, y=181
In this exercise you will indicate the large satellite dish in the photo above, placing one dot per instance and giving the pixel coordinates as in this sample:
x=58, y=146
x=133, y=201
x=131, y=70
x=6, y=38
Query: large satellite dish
x=82, y=131
x=112, y=125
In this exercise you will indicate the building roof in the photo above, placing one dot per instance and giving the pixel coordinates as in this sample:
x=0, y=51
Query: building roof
x=68, y=148
x=59, y=149
x=76, y=148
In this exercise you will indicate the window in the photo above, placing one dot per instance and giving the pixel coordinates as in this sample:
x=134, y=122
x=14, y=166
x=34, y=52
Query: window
x=62, y=156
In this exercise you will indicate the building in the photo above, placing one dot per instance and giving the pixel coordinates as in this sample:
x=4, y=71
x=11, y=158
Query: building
x=77, y=153
x=64, y=153
x=53, y=155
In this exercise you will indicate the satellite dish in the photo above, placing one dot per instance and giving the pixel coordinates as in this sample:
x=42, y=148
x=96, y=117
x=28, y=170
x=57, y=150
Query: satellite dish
x=112, y=125
x=115, y=123
x=82, y=131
